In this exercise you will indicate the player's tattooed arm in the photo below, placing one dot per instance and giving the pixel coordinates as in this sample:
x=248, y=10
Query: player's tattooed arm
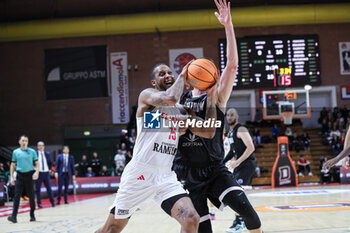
x=169, y=97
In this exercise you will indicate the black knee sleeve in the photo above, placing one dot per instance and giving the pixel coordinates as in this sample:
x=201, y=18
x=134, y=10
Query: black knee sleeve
x=239, y=202
x=205, y=227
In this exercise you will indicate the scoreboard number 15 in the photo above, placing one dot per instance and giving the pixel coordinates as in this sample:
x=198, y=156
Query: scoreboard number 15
x=282, y=77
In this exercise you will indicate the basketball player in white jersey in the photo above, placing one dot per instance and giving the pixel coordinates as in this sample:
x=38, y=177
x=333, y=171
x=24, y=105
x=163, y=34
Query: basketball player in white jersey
x=149, y=174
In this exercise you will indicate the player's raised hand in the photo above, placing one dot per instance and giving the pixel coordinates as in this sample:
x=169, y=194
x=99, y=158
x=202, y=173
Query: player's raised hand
x=224, y=15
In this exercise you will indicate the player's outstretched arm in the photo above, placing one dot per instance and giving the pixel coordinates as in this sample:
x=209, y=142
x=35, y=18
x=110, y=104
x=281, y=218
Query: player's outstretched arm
x=169, y=97
x=228, y=75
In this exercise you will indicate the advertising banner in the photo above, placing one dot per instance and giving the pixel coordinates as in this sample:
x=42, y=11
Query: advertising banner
x=283, y=171
x=120, y=87
x=106, y=184
x=75, y=73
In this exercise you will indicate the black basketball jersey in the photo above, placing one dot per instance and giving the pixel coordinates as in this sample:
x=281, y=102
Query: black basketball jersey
x=195, y=150
x=236, y=144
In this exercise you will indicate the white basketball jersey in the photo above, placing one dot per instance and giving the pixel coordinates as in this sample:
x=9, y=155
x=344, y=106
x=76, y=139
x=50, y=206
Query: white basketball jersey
x=157, y=147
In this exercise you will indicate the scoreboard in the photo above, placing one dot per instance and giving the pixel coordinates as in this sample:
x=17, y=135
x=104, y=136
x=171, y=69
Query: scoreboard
x=275, y=61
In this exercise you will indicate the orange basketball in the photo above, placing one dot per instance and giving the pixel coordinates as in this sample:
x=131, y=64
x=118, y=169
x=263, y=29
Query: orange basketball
x=201, y=74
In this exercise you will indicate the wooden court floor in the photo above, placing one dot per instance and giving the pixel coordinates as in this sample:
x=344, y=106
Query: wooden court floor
x=320, y=209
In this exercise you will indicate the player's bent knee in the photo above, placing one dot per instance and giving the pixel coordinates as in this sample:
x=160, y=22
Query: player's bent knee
x=191, y=220
x=192, y=217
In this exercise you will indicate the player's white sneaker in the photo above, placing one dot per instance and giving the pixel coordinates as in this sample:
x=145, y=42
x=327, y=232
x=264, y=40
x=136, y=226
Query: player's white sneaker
x=300, y=174
x=310, y=174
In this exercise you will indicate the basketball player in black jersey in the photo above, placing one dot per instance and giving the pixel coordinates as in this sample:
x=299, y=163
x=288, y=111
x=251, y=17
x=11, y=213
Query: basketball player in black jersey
x=241, y=157
x=199, y=161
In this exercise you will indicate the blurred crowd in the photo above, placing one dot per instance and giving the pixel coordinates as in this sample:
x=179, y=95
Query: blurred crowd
x=94, y=167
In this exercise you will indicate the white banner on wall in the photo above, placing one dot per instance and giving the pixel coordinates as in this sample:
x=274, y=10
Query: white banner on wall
x=120, y=91
x=344, y=53
x=178, y=58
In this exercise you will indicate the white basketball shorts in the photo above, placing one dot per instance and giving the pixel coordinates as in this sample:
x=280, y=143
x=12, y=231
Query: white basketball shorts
x=140, y=182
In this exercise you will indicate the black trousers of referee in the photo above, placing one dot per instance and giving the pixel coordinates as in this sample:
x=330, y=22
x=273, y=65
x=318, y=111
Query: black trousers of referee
x=24, y=181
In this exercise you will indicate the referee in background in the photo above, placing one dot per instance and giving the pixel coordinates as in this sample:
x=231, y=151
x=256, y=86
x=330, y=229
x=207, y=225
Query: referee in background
x=23, y=159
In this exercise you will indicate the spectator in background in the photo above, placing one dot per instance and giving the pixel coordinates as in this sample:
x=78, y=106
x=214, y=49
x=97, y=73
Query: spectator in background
x=306, y=141
x=342, y=140
x=295, y=142
x=124, y=137
x=124, y=148
x=132, y=139
x=82, y=166
x=335, y=144
x=8, y=165
x=258, y=117
x=119, y=159
x=330, y=127
x=90, y=173
x=105, y=171
x=303, y=165
x=325, y=176
x=64, y=172
x=2, y=170
x=128, y=157
x=345, y=112
x=95, y=163
x=325, y=127
x=45, y=162
x=275, y=132
x=120, y=171
x=323, y=115
x=288, y=132
x=256, y=137
x=335, y=113
x=340, y=122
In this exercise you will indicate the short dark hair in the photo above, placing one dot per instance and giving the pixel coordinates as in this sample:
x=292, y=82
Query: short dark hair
x=23, y=135
x=152, y=75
